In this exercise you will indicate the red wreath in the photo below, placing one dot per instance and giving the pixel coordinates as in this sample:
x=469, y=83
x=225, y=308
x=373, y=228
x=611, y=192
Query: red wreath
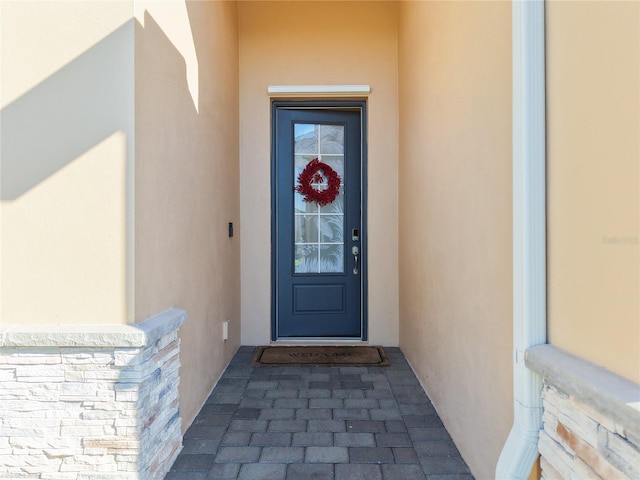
x=310, y=175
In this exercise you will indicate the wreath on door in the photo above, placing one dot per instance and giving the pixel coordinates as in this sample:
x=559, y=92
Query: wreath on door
x=315, y=173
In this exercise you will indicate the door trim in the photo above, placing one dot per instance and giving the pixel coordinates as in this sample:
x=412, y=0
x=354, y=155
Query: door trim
x=350, y=105
x=318, y=90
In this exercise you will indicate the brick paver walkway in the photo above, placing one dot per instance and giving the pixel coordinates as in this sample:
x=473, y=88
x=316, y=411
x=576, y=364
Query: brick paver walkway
x=333, y=423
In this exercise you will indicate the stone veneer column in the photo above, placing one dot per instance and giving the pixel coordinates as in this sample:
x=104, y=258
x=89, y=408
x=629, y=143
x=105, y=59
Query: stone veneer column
x=90, y=402
x=591, y=419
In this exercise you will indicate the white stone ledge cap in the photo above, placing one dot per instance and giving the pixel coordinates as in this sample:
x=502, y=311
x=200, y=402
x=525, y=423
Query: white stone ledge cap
x=610, y=394
x=96, y=336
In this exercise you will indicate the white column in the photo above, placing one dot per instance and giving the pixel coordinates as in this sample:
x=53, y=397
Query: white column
x=529, y=234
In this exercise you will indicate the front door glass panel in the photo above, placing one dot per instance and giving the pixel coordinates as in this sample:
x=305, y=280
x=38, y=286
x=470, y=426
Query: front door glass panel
x=319, y=229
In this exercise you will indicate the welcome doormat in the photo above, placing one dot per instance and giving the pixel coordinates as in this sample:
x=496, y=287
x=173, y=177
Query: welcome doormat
x=353, y=356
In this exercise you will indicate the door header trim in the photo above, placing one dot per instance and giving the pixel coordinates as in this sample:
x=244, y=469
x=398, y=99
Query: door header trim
x=318, y=90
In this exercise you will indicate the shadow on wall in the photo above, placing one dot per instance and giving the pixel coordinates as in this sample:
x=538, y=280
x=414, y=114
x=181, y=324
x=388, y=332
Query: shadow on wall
x=186, y=179
x=67, y=114
x=186, y=144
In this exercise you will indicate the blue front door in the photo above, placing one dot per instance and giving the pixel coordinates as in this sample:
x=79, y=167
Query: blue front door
x=317, y=223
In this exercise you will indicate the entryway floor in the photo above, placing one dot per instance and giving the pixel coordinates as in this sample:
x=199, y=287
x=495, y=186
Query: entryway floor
x=333, y=423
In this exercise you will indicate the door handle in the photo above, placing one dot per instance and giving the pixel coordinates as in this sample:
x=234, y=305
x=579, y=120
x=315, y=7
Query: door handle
x=355, y=251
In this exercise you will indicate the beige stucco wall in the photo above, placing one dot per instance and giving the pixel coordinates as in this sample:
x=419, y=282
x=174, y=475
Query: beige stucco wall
x=107, y=222
x=187, y=184
x=455, y=217
x=593, y=167
x=296, y=43
x=66, y=171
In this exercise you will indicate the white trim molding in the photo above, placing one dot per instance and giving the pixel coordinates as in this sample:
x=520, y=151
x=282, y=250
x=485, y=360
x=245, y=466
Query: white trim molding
x=318, y=90
x=529, y=235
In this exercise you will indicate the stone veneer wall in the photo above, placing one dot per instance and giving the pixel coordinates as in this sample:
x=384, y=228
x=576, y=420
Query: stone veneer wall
x=591, y=419
x=90, y=402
